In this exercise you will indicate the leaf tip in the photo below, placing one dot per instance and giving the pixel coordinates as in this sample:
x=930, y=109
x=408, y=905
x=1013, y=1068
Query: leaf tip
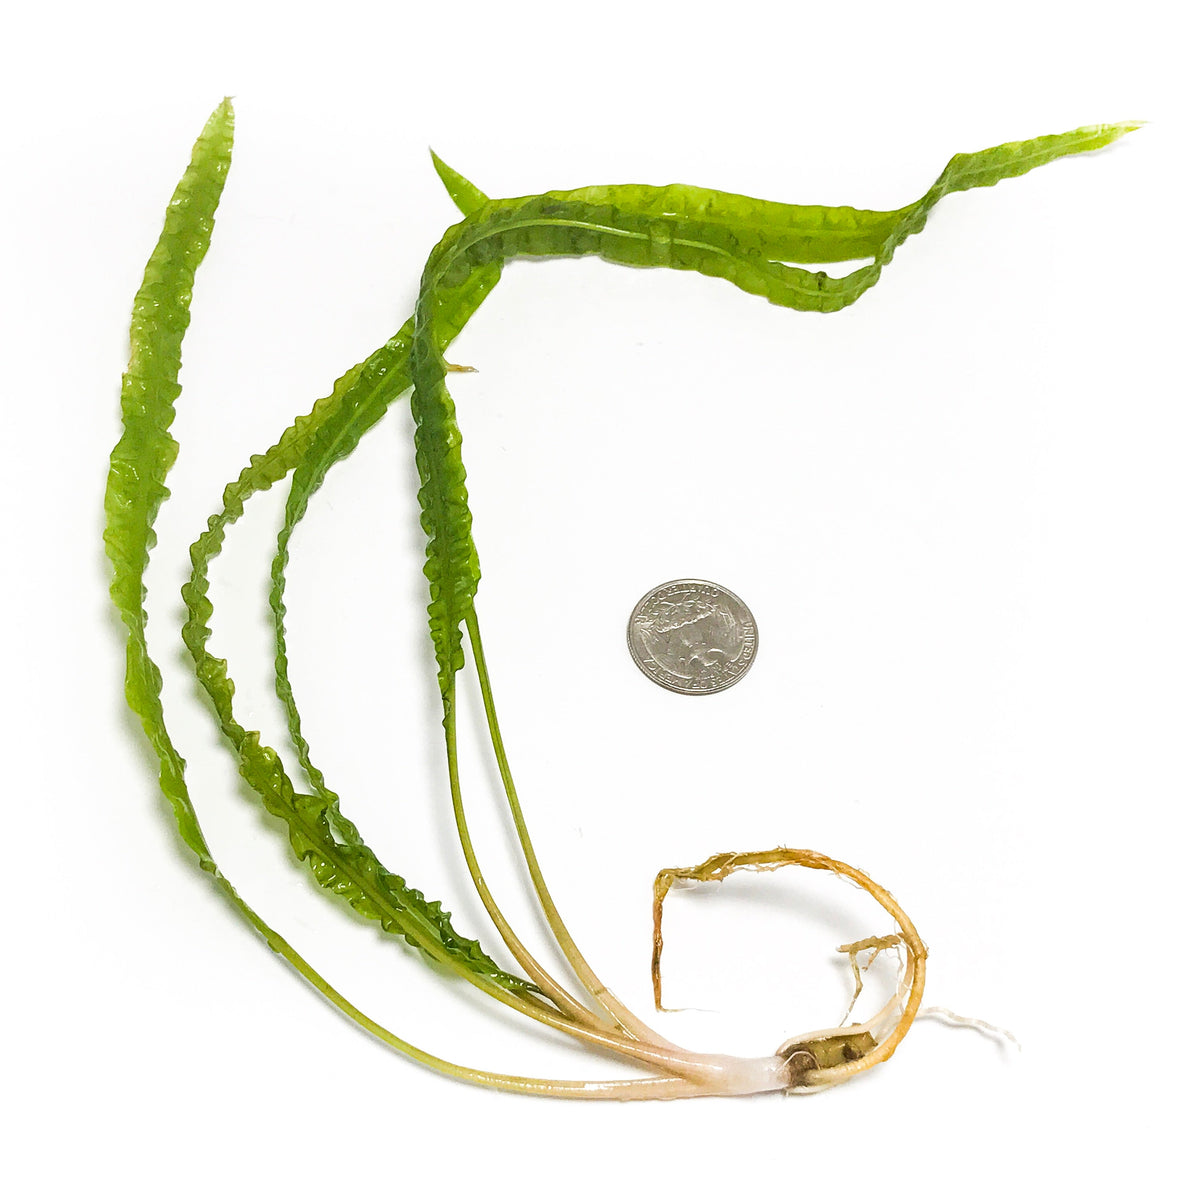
x=1116, y=131
x=466, y=196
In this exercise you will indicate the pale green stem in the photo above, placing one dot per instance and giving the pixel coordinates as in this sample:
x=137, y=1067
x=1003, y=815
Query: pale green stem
x=629, y=1021
x=651, y=1049
x=570, y=1006
x=667, y=1088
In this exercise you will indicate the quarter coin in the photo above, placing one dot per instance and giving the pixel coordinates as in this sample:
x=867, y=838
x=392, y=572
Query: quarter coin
x=692, y=636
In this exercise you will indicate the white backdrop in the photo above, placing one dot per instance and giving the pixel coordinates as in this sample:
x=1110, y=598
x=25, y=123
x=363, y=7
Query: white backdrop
x=963, y=512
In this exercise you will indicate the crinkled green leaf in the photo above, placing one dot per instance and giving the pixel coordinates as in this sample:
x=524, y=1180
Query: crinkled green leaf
x=336, y=439
x=319, y=833
x=146, y=450
x=138, y=469
x=750, y=243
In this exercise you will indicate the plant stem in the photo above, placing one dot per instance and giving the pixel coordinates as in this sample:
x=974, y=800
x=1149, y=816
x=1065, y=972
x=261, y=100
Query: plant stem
x=569, y=1005
x=704, y=1069
x=627, y=1020
x=738, y=1077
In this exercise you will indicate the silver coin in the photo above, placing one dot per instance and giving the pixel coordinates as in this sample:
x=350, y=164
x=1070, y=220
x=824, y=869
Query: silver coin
x=692, y=636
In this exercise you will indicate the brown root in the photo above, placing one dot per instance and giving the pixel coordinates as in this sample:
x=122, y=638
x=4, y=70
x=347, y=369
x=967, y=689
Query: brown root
x=829, y=1056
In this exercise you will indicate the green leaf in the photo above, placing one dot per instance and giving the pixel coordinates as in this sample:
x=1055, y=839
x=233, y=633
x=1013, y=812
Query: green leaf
x=146, y=450
x=320, y=835
x=751, y=243
x=136, y=487
x=466, y=196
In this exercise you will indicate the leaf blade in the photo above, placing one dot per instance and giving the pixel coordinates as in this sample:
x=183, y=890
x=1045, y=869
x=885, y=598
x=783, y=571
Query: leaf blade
x=643, y=226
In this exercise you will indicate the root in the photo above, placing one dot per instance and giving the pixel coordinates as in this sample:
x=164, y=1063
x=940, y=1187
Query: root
x=821, y=1059
x=854, y=949
x=947, y=1017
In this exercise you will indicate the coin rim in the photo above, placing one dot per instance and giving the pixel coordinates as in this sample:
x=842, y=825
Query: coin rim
x=684, y=691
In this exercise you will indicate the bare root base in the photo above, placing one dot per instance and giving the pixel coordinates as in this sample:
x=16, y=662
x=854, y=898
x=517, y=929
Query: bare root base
x=828, y=1056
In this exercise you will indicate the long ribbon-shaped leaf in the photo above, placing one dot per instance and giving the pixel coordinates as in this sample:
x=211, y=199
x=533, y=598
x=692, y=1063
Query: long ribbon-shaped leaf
x=336, y=440
x=718, y=235
x=137, y=487
x=146, y=450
